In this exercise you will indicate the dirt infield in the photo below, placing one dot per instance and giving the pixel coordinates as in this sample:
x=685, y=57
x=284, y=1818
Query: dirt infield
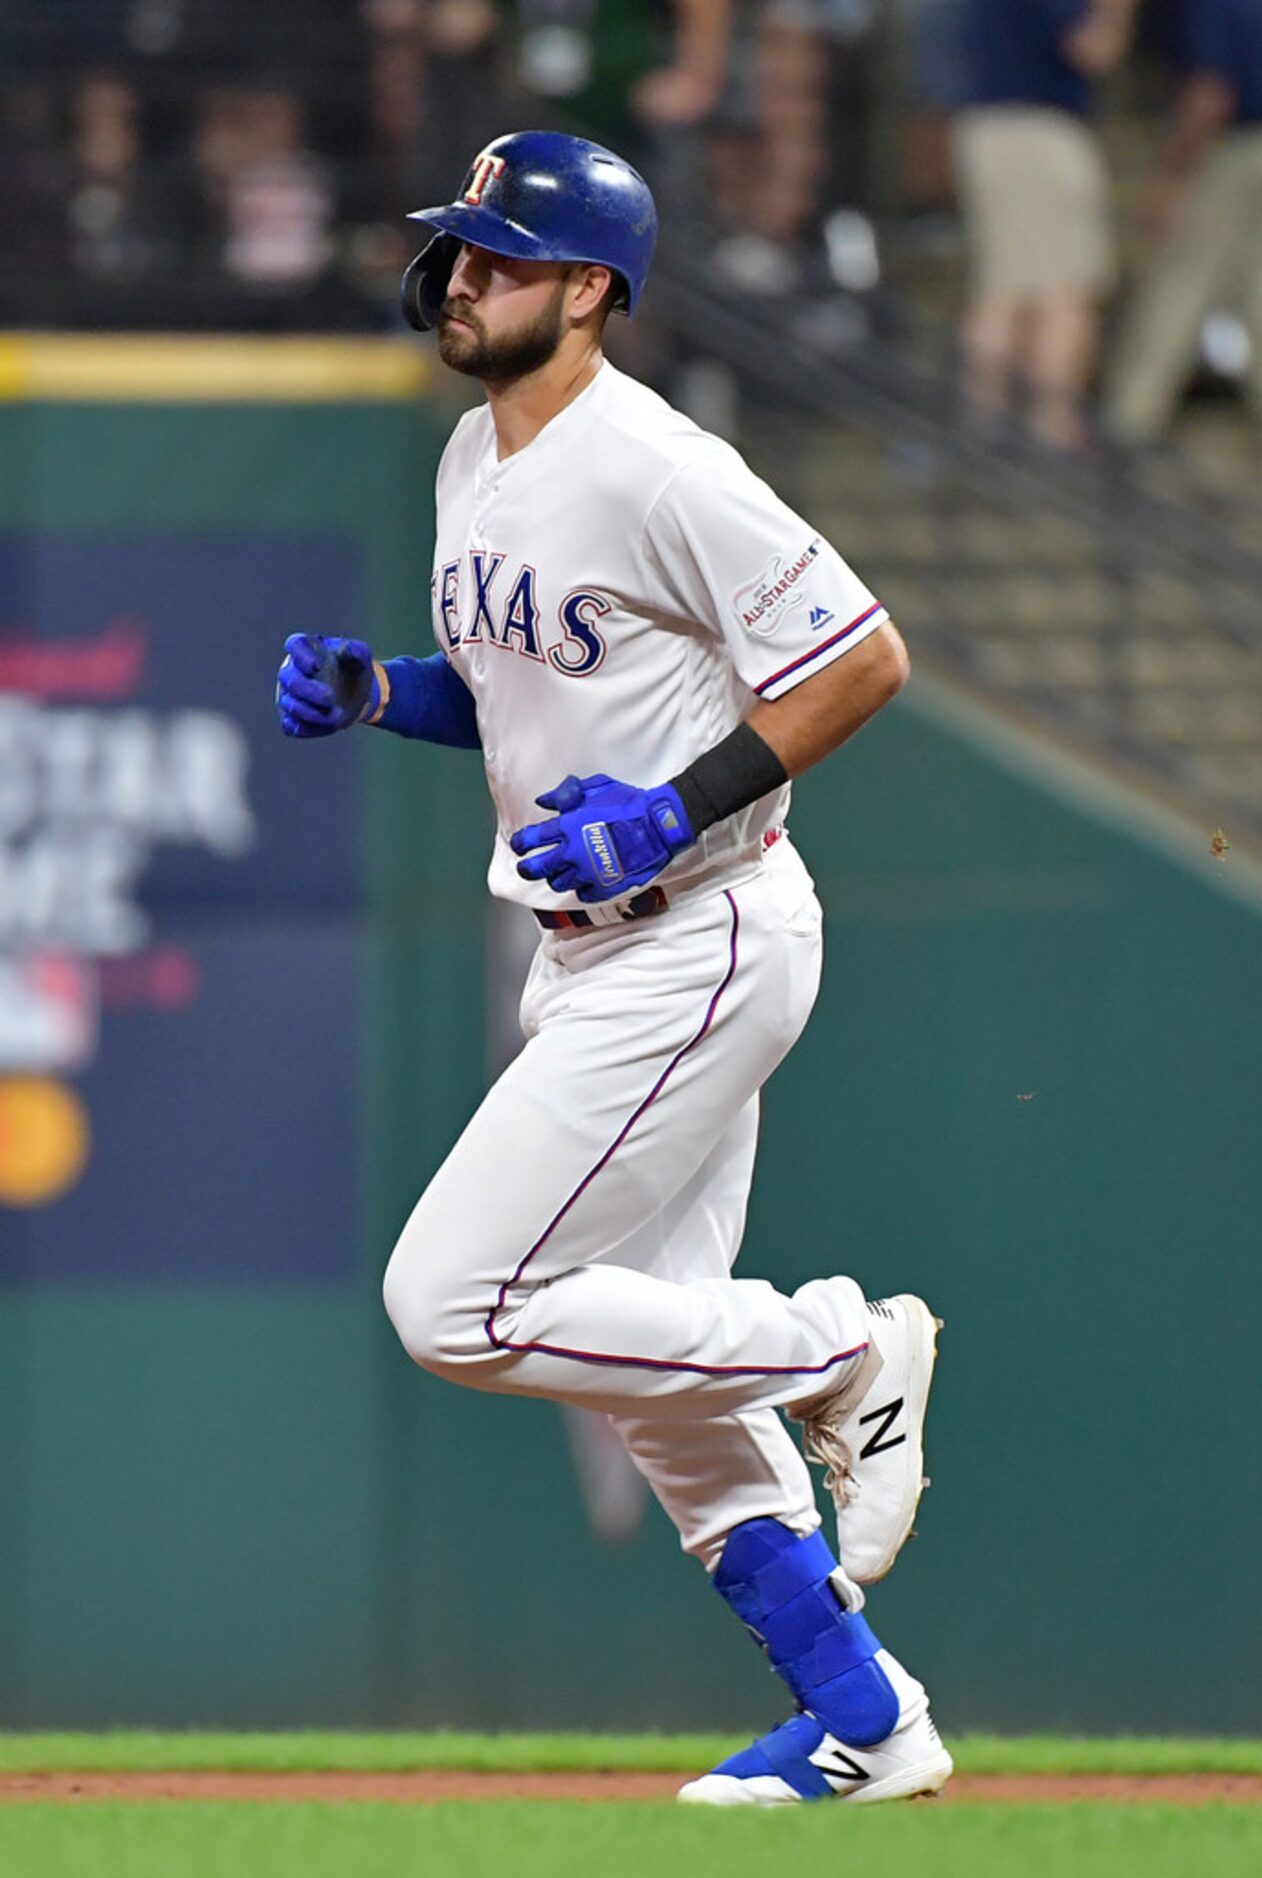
x=426, y=1786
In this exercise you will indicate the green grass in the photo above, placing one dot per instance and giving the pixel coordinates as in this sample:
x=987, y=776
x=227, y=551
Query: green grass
x=977, y=1754
x=521, y=1840
x=544, y=1839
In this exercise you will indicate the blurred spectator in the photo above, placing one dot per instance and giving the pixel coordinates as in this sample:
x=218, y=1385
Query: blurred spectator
x=107, y=206
x=278, y=204
x=775, y=145
x=378, y=183
x=643, y=76
x=1035, y=198
x=257, y=205
x=587, y=58
x=434, y=97
x=685, y=90
x=1205, y=209
x=463, y=98
x=933, y=79
x=31, y=213
x=396, y=76
x=245, y=221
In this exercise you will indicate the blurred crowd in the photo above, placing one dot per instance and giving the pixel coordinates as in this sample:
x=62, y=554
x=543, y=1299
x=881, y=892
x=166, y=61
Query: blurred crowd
x=1040, y=211
x=209, y=163
x=203, y=163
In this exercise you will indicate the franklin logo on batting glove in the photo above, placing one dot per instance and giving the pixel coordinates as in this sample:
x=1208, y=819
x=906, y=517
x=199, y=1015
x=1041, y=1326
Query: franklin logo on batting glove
x=600, y=847
x=607, y=836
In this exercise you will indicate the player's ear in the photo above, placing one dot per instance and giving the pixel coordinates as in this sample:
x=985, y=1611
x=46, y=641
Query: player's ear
x=592, y=286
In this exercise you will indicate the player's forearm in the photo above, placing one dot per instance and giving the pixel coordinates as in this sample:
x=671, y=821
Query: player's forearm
x=425, y=698
x=701, y=36
x=816, y=717
x=779, y=739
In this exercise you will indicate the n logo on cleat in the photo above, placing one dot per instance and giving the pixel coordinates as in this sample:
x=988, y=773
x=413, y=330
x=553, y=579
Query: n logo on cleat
x=833, y=1759
x=884, y=1417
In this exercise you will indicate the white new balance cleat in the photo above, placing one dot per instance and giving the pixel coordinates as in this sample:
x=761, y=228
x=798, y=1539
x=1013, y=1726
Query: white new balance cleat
x=801, y=1761
x=872, y=1443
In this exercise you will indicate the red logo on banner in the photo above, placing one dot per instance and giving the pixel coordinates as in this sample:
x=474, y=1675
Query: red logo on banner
x=109, y=666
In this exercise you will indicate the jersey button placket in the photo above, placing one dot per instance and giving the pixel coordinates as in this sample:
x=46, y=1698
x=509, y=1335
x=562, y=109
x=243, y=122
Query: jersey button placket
x=479, y=535
x=477, y=545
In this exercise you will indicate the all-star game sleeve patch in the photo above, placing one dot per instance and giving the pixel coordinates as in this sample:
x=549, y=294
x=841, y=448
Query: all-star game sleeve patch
x=738, y=559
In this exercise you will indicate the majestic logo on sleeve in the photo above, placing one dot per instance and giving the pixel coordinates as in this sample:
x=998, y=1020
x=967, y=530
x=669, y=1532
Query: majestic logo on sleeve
x=763, y=603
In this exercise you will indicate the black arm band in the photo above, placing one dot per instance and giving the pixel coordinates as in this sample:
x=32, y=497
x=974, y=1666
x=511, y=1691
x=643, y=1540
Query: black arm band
x=731, y=776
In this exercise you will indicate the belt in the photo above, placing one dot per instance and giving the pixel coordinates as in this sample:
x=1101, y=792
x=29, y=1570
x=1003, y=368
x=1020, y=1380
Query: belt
x=643, y=906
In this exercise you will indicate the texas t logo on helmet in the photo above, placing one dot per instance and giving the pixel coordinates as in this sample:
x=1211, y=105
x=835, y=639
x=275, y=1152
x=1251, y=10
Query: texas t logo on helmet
x=484, y=168
x=555, y=198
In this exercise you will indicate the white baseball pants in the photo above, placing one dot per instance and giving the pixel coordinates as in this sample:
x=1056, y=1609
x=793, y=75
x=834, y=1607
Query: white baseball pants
x=578, y=1241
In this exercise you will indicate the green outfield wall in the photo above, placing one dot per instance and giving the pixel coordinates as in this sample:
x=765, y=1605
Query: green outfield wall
x=1031, y=1091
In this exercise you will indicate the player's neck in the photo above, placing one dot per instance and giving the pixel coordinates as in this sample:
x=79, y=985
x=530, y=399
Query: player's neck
x=520, y=407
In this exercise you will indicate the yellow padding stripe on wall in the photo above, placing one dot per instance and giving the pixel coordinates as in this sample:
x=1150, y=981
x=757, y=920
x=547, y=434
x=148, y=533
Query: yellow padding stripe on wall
x=128, y=368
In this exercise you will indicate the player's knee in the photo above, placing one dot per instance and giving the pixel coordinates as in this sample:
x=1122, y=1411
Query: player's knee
x=437, y=1332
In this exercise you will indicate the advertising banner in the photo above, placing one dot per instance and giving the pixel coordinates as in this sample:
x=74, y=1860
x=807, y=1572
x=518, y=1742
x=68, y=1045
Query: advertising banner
x=179, y=939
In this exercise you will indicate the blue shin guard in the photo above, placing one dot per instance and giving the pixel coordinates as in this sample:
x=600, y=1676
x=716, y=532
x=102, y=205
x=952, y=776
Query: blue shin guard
x=778, y=1585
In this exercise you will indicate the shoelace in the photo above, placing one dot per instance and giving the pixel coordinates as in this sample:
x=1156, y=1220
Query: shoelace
x=823, y=1443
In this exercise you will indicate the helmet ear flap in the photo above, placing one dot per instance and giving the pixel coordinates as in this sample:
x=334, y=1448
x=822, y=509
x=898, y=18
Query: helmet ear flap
x=424, y=286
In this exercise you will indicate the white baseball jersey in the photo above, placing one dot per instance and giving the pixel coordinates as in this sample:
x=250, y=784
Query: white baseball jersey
x=615, y=595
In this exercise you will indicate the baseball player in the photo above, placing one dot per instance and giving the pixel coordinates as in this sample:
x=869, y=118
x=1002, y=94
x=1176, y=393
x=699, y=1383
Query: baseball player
x=646, y=644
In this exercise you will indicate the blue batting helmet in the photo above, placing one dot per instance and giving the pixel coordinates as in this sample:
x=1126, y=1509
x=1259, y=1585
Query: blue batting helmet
x=540, y=196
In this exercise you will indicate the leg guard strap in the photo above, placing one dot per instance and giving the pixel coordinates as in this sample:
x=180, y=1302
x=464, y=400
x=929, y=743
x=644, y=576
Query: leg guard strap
x=786, y=1751
x=778, y=1585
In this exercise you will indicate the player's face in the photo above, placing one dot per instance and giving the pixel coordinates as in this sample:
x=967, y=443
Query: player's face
x=501, y=318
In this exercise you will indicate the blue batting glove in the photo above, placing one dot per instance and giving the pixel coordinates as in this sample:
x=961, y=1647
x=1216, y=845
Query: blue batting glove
x=324, y=685
x=607, y=838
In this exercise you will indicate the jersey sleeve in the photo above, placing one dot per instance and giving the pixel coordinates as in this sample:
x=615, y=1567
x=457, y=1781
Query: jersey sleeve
x=728, y=554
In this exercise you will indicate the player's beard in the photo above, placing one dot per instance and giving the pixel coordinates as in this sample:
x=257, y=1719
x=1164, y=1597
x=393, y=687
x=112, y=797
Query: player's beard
x=468, y=349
